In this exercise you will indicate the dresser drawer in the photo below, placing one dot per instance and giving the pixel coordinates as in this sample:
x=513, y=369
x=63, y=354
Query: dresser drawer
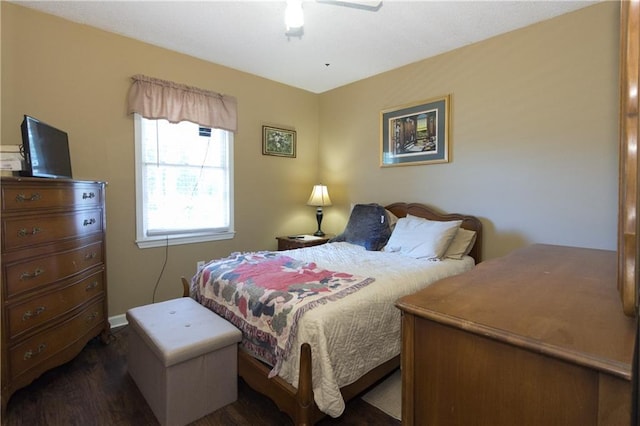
x=39, y=310
x=39, y=272
x=27, y=231
x=42, y=346
x=30, y=196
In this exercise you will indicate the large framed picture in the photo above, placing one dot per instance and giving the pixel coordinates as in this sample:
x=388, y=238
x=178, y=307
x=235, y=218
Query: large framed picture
x=415, y=134
x=279, y=142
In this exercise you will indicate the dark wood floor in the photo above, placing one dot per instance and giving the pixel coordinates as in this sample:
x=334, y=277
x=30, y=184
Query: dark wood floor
x=95, y=389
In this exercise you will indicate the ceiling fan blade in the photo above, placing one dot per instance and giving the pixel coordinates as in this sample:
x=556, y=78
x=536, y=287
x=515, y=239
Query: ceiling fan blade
x=372, y=6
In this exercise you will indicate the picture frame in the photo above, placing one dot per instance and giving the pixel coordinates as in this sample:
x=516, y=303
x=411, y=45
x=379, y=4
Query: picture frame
x=415, y=134
x=279, y=142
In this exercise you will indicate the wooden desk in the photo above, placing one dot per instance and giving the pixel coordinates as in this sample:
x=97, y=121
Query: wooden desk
x=537, y=337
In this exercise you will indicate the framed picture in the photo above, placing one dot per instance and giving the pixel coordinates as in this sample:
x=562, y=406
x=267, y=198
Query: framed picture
x=279, y=142
x=415, y=134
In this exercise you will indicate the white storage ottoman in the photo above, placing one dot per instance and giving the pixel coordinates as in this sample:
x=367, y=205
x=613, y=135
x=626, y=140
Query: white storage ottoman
x=183, y=357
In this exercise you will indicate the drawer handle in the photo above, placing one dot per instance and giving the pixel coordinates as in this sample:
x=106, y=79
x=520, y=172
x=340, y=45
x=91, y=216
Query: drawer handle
x=92, y=316
x=91, y=286
x=24, y=233
x=88, y=222
x=30, y=353
x=36, y=273
x=89, y=195
x=22, y=198
x=27, y=315
x=90, y=256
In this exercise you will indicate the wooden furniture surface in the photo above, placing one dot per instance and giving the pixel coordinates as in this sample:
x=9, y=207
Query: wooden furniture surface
x=536, y=337
x=300, y=241
x=298, y=402
x=54, y=288
x=628, y=224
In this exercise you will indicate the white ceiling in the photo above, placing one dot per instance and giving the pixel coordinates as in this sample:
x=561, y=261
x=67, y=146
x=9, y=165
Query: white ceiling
x=340, y=44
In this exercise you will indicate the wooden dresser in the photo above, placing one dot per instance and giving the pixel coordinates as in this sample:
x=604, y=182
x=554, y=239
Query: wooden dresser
x=537, y=337
x=54, y=288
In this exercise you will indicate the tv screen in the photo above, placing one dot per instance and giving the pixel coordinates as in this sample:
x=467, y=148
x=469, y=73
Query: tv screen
x=46, y=150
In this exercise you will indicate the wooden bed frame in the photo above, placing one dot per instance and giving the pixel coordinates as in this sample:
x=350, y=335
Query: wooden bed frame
x=299, y=403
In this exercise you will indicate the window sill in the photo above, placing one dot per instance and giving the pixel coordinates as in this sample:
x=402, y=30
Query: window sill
x=174, y=240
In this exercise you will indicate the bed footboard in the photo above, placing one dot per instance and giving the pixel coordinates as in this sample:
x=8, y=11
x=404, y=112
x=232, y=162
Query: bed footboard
x=296, y=403
x=185, y=287
x=299, y=403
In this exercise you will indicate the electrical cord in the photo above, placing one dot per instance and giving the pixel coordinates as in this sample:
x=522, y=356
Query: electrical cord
x=166, y=257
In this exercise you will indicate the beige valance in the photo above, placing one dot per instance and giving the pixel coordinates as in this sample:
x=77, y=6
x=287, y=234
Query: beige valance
x=160, y=99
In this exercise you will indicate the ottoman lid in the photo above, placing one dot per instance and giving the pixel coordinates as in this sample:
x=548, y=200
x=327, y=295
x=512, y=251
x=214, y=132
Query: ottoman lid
x=181, y=329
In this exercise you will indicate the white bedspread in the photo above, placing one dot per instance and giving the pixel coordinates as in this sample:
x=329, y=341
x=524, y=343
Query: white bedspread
x=353, y=335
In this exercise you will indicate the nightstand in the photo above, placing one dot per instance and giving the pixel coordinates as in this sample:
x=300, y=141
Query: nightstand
x=300, y=241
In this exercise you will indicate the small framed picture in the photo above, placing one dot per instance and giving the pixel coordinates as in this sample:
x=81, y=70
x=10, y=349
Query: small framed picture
x=278, y=142
x=415, y=134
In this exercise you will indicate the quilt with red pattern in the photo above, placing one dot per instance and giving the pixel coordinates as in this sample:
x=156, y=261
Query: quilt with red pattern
x=265, y=293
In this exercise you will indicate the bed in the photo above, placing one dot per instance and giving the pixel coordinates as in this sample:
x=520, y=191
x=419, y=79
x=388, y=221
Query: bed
x=340, y=348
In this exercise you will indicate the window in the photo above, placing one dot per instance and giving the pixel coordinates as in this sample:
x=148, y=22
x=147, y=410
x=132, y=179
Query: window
x=184, y=183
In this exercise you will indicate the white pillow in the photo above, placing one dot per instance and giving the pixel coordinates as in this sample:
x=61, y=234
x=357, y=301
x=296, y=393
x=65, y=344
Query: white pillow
x=421, y=238
x=461, y=245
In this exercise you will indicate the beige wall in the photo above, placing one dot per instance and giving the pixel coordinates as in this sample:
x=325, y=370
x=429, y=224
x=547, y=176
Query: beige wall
x=533, y=136
x=76, y=78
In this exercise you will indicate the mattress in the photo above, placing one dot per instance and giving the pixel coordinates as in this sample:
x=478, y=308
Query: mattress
x=352, y=335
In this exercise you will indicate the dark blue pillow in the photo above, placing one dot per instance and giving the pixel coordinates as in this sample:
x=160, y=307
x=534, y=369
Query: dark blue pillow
x=368, y=226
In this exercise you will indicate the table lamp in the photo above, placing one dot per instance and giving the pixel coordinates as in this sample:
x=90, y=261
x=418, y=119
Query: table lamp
x=319, y=198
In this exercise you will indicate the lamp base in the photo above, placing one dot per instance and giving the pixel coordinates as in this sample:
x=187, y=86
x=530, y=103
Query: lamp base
x=319, y=232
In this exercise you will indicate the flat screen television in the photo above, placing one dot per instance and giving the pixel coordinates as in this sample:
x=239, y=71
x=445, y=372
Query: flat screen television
x=46, y=150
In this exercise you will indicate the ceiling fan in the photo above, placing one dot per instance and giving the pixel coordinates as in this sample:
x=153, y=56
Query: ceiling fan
x=372, y=6
x=294, y=17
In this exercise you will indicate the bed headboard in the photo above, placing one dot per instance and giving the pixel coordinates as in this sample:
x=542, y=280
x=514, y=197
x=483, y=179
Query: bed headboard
x=471, y=223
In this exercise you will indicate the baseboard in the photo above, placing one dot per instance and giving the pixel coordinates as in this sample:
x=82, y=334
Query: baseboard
x=118, y=321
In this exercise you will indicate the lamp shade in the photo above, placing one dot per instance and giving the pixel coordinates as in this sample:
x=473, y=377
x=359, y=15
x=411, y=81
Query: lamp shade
x=319, y=196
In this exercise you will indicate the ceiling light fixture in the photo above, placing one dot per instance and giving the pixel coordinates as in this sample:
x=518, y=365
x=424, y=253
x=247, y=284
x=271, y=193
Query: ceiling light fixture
x=293, y=16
